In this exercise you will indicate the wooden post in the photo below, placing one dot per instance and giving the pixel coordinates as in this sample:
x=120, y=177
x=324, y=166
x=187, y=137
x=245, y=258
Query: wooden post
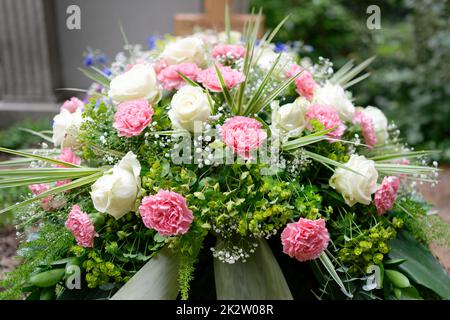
x=213, y=18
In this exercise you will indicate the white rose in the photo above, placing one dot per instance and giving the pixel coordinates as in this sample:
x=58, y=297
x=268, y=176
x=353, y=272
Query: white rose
x=379, y=120
x=189, y=105
x=65, y=127
x=333, y=95
x=188, y=49
x=266, y=57
x=116, y=191
x=235, y=37
x=356, y=187
x=291, y=117
x=137, y=83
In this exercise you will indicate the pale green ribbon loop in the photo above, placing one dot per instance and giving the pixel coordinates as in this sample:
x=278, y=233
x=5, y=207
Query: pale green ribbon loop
x=259, y=278
x=156, y=280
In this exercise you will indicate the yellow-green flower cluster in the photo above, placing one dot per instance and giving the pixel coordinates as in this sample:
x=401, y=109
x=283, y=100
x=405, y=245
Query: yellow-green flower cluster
x=369, y=247
x=100, y=272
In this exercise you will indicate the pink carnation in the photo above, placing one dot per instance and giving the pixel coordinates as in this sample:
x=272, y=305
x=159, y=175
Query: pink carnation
x=386, y=194
x=231, y=51
x=37, y=189
x=166, y=212
x=160, y=65
x=306, y=239
x=67, y=155
x=327, y=116
x=132, y=117
x=242, y=134
x=211, y=81
x=304, y=82
x=367, y=128
x=170, y=79
x=81, y=226
x=47, y=203
x=72, y=105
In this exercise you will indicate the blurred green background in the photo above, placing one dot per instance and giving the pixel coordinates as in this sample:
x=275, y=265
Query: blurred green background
x=410, y=79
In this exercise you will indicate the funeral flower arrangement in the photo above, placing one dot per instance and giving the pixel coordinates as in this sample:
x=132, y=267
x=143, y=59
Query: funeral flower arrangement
x=224, y=146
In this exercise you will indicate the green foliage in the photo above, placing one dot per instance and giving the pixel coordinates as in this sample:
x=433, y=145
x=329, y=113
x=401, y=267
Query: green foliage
x=49, y=244
x=420, y=265
x=189, y=246
x=362, y=240
x=15, y=138
x=8, y=197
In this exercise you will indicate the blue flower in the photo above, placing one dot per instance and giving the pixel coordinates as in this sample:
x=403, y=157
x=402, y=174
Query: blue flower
x=107, y=72
x=152, y=42
x=101, y=58
x=280, y=47
x=88, y=60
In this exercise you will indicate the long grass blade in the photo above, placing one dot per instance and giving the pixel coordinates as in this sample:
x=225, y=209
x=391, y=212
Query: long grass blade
x=71, y=185
x=227, y=23
x=328, y=161
x=258, y=93
x=344, y=78
x=189, y=81
x=94, y=76
x=403, y=155
x=15, y=162
x=38, y=134
x=356, y=80
x=225, y=91
x=326, y=262
x=276, y=92
x=38, y=157
x=48, y=172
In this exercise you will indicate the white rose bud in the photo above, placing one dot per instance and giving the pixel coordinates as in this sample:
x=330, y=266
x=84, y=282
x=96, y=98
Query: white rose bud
x=188, y=49
x=137, y=83
x=333, y=95
x=188, y=106
x=379, y=120
x=356, y=187
x=66, y=126
x=291, y=117
x=116, y=191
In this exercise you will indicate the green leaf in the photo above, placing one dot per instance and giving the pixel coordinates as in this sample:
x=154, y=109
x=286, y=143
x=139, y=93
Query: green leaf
x=410, y=293
x=397, y=278
x=420, y=265
x=192, y=83
x=393, y=262
x=159, y=238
